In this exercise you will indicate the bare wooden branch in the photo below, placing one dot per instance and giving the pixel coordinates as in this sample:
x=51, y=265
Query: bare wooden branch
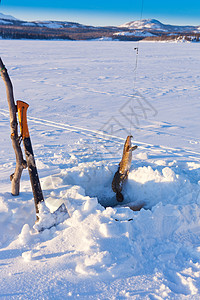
x=20, y=162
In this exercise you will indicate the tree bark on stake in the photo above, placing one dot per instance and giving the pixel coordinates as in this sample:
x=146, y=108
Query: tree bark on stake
x=34, y=178
x=20, y=162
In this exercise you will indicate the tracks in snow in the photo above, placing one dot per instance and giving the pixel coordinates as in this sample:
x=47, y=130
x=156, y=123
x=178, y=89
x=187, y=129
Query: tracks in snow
x=172, y=152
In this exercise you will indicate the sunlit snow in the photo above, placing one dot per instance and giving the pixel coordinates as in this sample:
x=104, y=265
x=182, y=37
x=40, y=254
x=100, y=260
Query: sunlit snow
x=85, y=98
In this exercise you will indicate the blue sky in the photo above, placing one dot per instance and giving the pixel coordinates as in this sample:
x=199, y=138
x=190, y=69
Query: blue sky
x=104, y=12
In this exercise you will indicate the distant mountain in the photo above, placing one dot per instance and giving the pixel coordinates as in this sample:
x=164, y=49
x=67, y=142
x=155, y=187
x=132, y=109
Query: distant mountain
x=7, y=17
x=149, y=29
x=155, y=25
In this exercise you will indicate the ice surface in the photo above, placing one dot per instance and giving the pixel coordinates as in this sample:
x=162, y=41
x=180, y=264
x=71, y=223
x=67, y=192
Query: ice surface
x=82, y=107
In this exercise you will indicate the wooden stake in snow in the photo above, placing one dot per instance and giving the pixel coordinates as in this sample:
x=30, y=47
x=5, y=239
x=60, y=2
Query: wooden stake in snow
x=33, y=174
x=20, y=162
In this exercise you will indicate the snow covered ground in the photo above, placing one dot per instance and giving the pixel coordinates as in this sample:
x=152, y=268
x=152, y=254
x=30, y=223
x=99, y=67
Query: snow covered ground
x=85, y=98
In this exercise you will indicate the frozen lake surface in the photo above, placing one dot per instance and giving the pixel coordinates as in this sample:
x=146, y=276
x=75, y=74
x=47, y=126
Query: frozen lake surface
x=85, y=98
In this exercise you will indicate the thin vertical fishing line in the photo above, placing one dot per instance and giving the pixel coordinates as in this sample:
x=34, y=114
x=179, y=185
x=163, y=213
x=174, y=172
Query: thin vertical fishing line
x=136, y=66
x=137, y=48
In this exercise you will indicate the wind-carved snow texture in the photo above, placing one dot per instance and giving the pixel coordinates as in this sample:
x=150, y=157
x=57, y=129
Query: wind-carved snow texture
x=86, y=245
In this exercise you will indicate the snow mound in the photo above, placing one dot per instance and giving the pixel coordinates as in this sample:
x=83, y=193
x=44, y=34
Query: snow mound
x=117, y=242
x=147, y=185
x=90, y=235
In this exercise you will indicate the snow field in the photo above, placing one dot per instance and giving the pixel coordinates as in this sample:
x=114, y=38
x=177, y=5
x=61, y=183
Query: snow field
x=161, y=240
x=99, y=249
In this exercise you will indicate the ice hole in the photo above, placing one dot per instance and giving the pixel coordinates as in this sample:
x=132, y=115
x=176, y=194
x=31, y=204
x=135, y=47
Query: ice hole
x=97, y=182
x=145, y=187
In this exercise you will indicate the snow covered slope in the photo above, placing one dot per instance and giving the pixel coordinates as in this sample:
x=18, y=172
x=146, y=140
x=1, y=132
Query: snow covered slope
x=7, y=20
x=7, y=17
x=139, y=33
x=57, y=24
x=155, y=25
x=82, y=106
x=49, y=24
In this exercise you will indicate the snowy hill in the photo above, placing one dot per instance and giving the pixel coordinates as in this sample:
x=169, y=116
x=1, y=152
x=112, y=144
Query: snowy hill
x=7, y=17
x=54, y=24
x=7, y=20
x=155, y=25
x=48, y=24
